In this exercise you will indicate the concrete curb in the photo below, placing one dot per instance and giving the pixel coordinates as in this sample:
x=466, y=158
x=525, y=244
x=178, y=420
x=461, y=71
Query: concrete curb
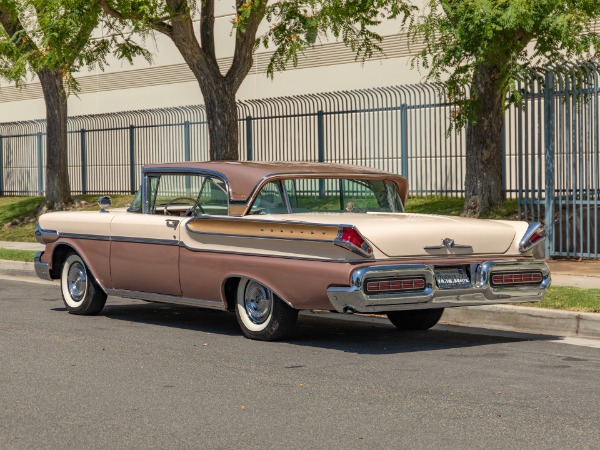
x=17, y=269
x=526, y=319
x=497, y=317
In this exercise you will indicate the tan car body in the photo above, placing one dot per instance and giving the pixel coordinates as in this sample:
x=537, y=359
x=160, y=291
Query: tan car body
x=197, y=260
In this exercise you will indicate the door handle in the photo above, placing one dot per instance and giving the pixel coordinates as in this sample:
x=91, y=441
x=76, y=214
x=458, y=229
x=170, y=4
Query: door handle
x=172, y=223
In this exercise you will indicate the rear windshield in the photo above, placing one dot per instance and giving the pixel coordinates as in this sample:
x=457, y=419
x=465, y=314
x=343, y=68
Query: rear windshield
x=347, y=195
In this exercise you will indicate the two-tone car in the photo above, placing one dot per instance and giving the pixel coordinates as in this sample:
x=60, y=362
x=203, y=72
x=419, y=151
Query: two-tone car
x=266, y=240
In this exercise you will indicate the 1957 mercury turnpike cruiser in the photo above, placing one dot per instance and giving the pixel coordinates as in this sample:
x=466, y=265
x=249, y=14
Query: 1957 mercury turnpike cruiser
x=266, y=240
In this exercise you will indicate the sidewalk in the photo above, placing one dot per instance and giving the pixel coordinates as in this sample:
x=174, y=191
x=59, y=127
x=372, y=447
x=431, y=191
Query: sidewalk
x=584, y=274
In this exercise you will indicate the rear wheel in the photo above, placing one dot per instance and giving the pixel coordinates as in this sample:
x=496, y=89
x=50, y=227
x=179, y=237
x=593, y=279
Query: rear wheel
x=420, y=319
x=80, y=291
x=261, y=314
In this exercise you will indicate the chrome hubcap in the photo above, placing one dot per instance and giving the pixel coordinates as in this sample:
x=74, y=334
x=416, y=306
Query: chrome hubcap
x=258, y=301
x=77, y=281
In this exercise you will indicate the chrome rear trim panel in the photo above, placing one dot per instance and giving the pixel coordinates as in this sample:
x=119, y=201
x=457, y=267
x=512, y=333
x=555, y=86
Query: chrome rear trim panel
x=480, y=293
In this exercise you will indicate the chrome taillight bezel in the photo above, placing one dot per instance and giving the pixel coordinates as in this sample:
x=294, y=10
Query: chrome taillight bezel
x=534, y=235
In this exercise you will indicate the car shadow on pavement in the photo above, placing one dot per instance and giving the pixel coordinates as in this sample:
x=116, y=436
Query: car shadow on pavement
x=319, y=332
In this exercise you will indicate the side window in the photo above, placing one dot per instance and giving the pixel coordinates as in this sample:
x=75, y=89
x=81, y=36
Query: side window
x=213, y=197
x=269, y=200
x=136, y=204
x=173, y=195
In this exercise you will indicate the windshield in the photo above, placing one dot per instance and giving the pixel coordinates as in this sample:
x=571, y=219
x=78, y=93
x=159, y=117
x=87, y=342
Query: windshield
x=348, y=195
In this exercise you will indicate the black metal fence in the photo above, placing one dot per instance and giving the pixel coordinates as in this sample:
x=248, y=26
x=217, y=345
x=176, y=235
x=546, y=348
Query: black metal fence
x=550, y=145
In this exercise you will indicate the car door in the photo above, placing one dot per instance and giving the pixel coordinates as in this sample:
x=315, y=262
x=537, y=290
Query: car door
x=144, y=253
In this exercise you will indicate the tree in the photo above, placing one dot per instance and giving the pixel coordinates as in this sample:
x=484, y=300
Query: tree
x=52, y=39
x=293, y=25
x=478, y=49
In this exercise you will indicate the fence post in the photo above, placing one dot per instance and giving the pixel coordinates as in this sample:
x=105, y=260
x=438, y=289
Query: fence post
x=186, y=141
x=40, y=164
x=132, y=187
x=83, y=163
x=1, y=165
x=404, y=139
x=321, y=149
x=249, y=155
x=503, y=152
x=549, y=135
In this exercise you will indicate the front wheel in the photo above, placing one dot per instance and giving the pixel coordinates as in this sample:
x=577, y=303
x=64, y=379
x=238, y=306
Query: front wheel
x=420, y=319
x=80, y=291
x=261, y=314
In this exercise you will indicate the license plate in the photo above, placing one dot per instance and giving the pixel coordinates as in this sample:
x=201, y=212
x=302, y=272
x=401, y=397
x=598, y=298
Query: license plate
x=454, y=278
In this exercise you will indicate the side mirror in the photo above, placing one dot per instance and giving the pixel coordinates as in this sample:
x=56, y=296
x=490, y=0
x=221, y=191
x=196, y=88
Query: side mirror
x=104, y=202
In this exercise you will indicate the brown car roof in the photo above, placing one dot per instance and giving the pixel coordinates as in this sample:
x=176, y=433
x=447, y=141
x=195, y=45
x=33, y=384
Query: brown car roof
x=244, y=176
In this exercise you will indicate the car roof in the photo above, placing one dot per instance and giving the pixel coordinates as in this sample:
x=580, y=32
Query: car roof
x=244, y=176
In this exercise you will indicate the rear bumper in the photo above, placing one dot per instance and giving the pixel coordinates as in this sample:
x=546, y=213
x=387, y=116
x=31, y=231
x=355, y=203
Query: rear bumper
x=42, y=270
x=481, y=292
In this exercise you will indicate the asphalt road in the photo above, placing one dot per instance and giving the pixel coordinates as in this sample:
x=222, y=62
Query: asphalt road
x=152, y=376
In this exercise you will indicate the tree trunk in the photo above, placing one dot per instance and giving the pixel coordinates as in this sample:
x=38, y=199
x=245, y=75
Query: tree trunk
x=222, y=118
x=483, y=182
x=58, y=188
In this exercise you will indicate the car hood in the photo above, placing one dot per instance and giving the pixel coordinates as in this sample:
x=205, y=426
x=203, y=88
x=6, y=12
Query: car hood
x=400, y=234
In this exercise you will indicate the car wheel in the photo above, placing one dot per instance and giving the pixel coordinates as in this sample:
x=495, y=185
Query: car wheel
x=261, y=314
x=420, y=319
x=80, y=291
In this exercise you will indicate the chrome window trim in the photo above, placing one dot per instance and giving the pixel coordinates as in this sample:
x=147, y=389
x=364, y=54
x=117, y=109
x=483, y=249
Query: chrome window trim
x=318, y=175
x=183, y=171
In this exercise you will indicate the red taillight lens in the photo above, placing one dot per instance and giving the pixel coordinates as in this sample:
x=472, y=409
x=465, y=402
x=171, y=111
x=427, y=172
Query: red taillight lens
x=349, y=236
x=516, y=278
x=394, y=285
x=534, y=235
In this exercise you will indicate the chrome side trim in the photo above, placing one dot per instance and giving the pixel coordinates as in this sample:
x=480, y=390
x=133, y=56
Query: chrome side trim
x=45, y=236
x=135, y=240
x=42, y=270
x=263, y=255
x=91, y=237
x=171, y=299
x=480, y=293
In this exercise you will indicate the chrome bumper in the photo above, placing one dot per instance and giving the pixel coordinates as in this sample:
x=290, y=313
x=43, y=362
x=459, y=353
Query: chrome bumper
x=481, y=292
x=42, y=270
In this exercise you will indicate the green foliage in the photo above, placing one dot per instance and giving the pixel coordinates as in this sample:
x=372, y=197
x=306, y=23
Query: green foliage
x=57, y=35
x=296, y=25
x=514, y=37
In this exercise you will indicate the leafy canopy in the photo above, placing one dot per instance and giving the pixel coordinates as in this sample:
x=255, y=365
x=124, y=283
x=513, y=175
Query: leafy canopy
x=57, y=35
x=293, y=25
x=513, y=36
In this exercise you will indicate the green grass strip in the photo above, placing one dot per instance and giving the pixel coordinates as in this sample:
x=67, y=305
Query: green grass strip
x=17, y=255
x=570, y=299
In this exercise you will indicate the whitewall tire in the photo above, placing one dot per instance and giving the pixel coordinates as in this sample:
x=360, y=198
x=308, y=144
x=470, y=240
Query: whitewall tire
x=80, y=291
x=261, y=314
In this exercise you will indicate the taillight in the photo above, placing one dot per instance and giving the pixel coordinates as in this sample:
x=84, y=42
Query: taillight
x=516, y=278
x=387, y=285
x=350, y=238
x=533, y=236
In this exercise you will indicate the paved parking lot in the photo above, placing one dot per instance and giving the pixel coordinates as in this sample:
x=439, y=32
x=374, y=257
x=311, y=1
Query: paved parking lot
x=147, y=375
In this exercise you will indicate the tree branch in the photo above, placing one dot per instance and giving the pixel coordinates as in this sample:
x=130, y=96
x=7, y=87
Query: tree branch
x=13, y=26
x=207, y=27
x=244, y=45
x=159, y=24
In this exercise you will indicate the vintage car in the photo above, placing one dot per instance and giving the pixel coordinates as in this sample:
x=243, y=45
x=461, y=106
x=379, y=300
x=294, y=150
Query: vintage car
x=267, y=240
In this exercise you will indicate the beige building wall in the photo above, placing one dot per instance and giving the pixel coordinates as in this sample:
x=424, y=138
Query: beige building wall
x=167, y=82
